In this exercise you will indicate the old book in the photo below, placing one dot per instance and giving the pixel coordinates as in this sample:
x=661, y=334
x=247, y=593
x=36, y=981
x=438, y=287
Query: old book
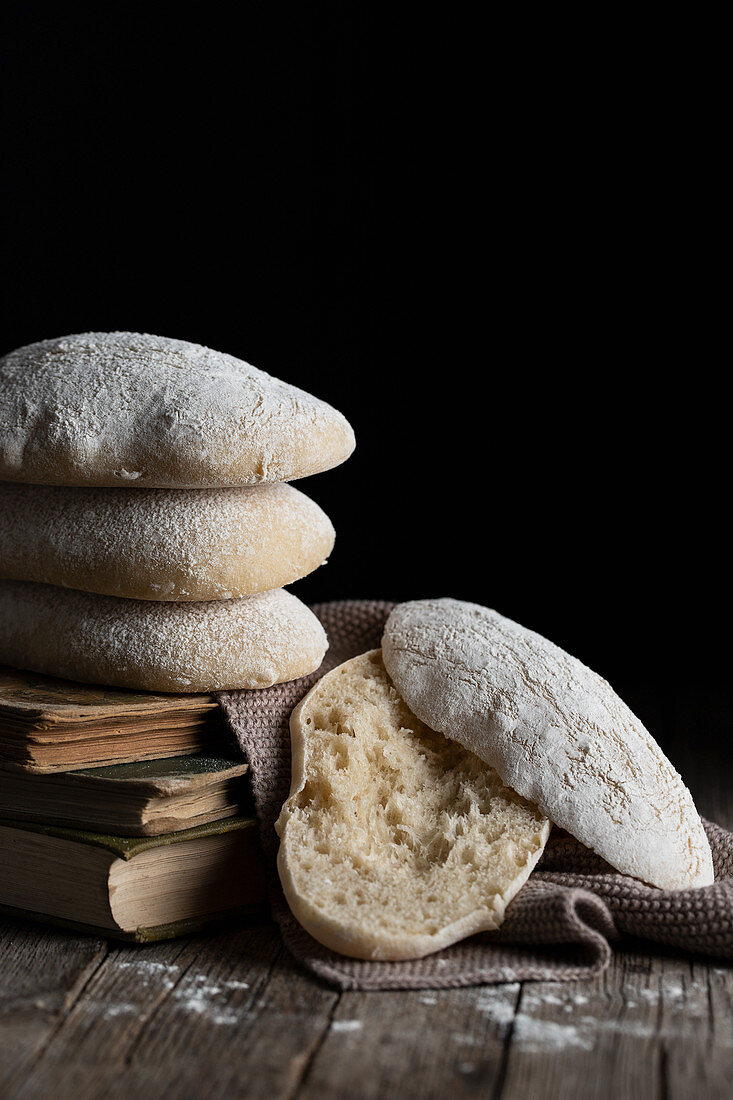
x=144, y=798
x=48, y=724
x=132, y=888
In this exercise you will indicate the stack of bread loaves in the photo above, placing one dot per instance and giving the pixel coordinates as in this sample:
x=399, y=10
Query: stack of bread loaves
x=146, y=530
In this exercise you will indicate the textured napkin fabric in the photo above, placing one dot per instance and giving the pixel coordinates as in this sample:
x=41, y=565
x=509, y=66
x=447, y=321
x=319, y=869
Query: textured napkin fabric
x=559, y=925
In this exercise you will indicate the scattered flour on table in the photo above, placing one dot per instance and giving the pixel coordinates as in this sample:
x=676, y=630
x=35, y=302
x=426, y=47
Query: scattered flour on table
x=539, y=1035
x=147, y=972
x=499, y=1005
x=111, y=1010
x=200, y=996
x=196, y=993
x=534, y=1034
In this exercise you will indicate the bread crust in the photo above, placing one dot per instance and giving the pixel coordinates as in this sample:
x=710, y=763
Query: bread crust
x=161, y=544
x=209, y=646
x=555, y=731
x=125, y=408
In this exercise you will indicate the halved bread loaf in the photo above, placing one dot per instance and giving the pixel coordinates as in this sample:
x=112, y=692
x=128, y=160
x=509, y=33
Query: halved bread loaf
x=395, y=842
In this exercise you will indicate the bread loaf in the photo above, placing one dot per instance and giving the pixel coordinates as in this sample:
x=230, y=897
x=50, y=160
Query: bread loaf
x=394, y=841
x=124, y=408
x=555, y=731
x=178, y=647
x=161, y=544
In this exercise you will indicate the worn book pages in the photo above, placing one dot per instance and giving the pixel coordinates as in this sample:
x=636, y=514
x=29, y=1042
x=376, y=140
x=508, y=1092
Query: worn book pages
x=49, y=724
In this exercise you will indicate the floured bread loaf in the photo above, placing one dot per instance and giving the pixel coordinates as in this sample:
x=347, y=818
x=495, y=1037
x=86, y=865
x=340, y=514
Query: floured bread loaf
x=394, y=842
x=554, y=730
x=124, y=408
x=223, y=644
x=161, y=544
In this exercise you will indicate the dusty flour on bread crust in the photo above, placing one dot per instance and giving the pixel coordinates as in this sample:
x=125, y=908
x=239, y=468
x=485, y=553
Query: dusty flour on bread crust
x=554, y=730
x=125, y=408
x=219, y=645
x=161, y=544
x=395, y=842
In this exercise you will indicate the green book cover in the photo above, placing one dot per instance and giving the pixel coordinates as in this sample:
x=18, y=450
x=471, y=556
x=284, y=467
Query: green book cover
x=158, y=774
x=126, y=847
x=147, y=797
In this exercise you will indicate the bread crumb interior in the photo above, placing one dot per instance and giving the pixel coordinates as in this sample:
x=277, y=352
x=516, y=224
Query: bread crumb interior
x=398, y=830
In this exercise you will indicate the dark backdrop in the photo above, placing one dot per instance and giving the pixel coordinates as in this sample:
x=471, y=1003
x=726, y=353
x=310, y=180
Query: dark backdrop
x=496, y=252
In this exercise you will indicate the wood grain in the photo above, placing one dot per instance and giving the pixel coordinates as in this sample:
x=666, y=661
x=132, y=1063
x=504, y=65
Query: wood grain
x=231, y=1015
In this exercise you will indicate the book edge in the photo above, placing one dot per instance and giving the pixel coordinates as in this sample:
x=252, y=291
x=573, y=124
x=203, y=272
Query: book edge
x=126, y=847
x=255, y=912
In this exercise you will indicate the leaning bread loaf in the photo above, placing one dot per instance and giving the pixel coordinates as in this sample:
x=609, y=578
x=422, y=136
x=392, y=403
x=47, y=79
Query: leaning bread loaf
x=394, y=841
x=223, y=644
x=125, y=408
x=554, y=730
x=161, y=544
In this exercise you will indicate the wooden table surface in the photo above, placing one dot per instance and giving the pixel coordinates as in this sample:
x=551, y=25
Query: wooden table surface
x=230, y=1015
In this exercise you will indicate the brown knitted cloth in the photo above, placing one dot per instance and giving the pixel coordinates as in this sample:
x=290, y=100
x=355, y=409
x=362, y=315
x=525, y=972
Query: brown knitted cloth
x=559, y=925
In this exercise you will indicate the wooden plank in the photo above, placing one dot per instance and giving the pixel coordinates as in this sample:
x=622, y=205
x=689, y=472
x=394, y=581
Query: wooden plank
x=42, y=973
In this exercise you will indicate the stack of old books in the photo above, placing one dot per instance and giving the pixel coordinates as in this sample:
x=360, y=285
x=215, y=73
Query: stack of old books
x=146, y=536
x=120, y=812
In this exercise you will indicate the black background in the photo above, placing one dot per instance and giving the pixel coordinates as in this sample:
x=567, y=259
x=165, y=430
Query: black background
x=498, y=250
